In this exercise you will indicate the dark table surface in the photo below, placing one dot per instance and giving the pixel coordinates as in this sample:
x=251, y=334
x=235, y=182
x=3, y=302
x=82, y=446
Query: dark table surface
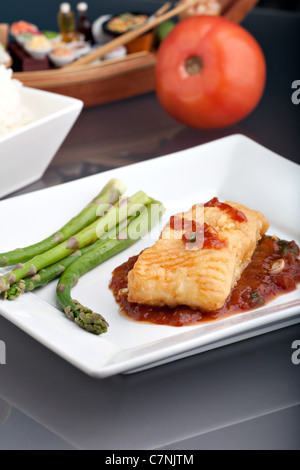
x=240, y=396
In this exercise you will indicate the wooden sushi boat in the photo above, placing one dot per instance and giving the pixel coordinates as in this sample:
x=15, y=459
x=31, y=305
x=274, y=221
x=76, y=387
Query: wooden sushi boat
x=110, y=80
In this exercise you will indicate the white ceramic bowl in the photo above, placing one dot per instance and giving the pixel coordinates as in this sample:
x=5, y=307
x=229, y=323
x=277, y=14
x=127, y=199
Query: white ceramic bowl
x=54, y=39
x=117, y=53
x=37, y=54
x=80, y=48
x=22, y=39
x=61, y=61
x=100, y=37
x=26, y=152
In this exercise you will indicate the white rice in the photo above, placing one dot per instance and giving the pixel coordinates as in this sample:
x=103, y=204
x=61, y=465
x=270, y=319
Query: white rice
x=12, y=113
x=4, y=57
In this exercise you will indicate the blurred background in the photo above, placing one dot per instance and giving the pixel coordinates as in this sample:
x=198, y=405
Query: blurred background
x=43, y=14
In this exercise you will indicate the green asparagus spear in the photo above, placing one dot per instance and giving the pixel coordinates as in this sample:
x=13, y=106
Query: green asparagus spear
x=114, y=216
x=109, y=195
x=83, y=316
x=46, y=275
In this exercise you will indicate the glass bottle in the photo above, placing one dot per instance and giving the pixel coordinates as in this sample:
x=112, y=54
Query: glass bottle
x=84, y=26
x=66, y=23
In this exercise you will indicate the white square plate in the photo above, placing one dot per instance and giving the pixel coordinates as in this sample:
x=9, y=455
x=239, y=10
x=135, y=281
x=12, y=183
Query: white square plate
x=233, y=168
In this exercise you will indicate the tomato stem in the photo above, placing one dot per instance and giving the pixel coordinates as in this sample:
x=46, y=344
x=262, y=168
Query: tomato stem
x=193, y=64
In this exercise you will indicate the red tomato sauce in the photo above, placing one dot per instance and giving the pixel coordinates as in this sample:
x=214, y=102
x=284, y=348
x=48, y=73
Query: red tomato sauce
x=197, y=235
x=273, y=270
x=234, y=213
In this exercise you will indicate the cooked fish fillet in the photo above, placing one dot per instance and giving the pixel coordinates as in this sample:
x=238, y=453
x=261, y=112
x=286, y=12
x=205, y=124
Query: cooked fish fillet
x=173, y=272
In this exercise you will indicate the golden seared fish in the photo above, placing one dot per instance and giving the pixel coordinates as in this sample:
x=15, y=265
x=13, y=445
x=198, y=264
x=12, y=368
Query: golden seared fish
x=198, y=258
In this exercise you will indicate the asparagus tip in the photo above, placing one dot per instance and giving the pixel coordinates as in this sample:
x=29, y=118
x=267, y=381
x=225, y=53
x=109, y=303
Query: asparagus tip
x=92, y=322
x=13, y=292
x=87, y=319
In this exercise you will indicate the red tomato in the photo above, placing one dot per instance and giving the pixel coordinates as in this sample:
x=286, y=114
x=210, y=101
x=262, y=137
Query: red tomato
x=210, y=72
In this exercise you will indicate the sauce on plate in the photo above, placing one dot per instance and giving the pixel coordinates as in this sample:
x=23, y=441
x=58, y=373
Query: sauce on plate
x=234, y=213
x=273, y=270
x=197, y=235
